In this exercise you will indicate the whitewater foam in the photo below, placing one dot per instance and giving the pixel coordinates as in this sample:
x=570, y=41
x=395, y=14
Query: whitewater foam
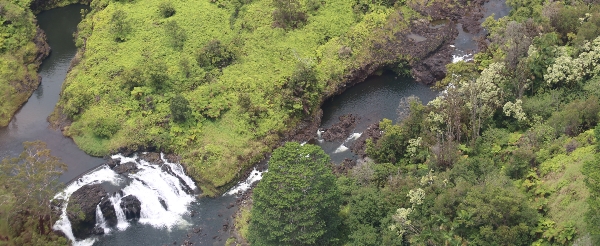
x=245, y=185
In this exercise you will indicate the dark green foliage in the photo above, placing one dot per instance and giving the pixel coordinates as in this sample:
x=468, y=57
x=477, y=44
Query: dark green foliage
x=176, y=35
x=180, y=108
x=156, y=72
x=29, y=182
x=214, y=55
x=166, y=9
x=297, y=201
x=493, y=213
x=576, y=117
x=367, y=209
x=132, y=78
x=288, y=14
x=119, y=26
x=301, y=90
x=105, y=127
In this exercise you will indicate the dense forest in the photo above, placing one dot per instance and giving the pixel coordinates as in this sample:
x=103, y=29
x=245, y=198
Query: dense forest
x=507, y=154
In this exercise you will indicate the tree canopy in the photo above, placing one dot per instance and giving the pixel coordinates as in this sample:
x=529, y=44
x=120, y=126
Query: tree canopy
x=297, y=201
x=28, y=183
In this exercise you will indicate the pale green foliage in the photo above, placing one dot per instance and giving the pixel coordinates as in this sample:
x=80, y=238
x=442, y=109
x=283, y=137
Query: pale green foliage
x=569, y=71
x=413, y=145
x=483, y=94
x=515, y=110
x=565, y=70
x=416, y=196
x=428, y=179
x=402, y=222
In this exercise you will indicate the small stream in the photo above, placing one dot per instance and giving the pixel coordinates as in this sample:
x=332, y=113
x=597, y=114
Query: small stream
x=465, y=45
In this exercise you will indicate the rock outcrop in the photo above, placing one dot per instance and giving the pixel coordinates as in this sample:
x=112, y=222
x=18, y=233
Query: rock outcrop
x=340, y=130
x=126, y=168
x=81, y=209
x=108, y=210
x=131, y=207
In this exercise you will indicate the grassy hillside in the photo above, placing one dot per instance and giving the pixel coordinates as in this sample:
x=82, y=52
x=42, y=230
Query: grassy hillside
x=18, y=52
x=218, y=82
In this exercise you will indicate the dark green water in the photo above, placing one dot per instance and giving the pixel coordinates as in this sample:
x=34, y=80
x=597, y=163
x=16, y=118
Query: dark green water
x=30, y=124
x=372, y=100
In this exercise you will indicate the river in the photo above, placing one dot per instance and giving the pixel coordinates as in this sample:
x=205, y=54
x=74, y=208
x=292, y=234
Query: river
x=29, y=123
x=371, y=100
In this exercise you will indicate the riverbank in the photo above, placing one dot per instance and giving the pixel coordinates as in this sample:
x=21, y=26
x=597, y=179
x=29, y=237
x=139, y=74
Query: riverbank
x=241, y=109
x=22, y=49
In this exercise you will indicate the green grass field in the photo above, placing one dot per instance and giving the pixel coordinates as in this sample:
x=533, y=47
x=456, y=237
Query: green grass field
x=119, y=94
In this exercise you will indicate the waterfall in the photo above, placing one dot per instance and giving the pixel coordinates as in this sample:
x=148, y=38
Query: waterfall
x=121, y=220
x=243, y=186
x=150, y=184
x=340, y=149
x=100, y=221
x=102, y=174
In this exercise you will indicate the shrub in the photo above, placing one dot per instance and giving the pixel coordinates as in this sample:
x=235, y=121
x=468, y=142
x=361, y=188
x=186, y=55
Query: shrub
x=176, y=34
x=214, y=55
x=288, y=14
x=105, y=127
x=119, y=26
x=166, y=9
x=180, y=108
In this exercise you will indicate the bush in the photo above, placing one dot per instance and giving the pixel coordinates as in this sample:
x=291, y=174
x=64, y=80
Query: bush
x=288, y=14
x=214, y=55
x=180, y=108
x=119, y=26
x=176, y=34
x=105, y=127
x=166, y=9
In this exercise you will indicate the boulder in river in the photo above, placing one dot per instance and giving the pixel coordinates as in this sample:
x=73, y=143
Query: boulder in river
x=129, y=167
x=81, y=209
x=341, y=130
x=131, y=207
x=108, y=210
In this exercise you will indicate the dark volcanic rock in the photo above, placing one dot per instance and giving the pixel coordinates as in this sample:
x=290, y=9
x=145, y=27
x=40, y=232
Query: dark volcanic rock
x=131, y=207
x=128, y=167
x=112, y=163
x=83, y=202
x=340, y=130
x=108, y=210
x=184, y=185
x=344, y=167
x=152, y=157
x=359, y=145
x=98, y=231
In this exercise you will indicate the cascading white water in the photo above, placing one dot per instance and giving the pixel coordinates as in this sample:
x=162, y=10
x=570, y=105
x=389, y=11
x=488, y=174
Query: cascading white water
x=243, y=186
x=102, y=174
x=350, y=138
x=100, y=221
x=121, y=220
x=152, y=183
